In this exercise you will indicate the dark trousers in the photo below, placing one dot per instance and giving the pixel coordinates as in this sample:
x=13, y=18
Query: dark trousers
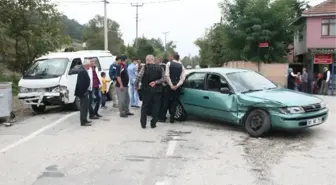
x=150, y=99
x=304, y=87
x=94, y=110
x=84, y=108
x=104, y=98
x=173, y=100
x=165, y=103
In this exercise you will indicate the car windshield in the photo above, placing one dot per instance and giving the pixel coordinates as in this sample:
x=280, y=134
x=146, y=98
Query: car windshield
x=47, y=68
x=249, y=81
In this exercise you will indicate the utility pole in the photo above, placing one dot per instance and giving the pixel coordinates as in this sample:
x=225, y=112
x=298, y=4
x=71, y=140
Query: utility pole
x=136, y=5
x=165, y=40
x=105, y=26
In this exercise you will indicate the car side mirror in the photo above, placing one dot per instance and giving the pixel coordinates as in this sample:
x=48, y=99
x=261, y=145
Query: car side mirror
x=225, y=90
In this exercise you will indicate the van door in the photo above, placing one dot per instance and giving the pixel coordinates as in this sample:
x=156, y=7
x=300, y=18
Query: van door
x=72, y=78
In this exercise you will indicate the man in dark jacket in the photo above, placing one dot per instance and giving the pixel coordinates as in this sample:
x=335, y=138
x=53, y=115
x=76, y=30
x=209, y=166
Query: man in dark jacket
x=151, y=77
x=81, y=91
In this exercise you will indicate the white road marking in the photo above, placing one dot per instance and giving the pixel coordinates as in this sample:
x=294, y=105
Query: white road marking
x=37, y=132
x=171, y=146
x=161, y=183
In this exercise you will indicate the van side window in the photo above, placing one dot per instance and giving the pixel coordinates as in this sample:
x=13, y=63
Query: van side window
x=95, y=59
x=75, y=62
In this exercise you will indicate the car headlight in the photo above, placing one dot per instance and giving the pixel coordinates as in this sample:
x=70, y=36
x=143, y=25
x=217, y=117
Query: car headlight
x=292, y=110
x=59, y=89
x=23, y=90
x=323, y=105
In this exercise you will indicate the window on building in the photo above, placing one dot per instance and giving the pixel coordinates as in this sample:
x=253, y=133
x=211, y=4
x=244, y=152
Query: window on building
x=329, y=27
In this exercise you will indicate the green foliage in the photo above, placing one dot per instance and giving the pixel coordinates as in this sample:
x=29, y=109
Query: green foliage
x=245, y=24
x=29, y=29
x=190, y=61
x=93, y=35
x=73, y=28
x=150, y=46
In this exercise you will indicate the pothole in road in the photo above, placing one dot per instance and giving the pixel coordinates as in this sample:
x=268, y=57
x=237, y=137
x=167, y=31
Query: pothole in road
x=262, y=153
x=51, y=171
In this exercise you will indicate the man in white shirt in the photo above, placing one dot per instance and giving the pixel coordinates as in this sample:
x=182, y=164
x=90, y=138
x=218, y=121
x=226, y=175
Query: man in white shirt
x=175, y=75
x=325, y=82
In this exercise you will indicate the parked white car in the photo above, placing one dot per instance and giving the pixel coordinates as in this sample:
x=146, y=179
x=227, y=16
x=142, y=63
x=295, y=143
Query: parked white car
x=52, y=79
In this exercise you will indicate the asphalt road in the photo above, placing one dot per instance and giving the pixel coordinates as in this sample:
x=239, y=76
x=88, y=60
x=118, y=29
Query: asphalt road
x=52, y=149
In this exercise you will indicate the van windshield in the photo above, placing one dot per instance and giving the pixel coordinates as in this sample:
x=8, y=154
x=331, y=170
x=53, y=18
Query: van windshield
x=47, y=68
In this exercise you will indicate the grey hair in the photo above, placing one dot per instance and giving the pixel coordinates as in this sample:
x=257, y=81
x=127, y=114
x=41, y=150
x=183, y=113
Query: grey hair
x=86, y=62
x=150, y=57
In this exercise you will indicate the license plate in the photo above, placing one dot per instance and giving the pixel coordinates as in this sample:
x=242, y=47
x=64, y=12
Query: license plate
x=314, y=121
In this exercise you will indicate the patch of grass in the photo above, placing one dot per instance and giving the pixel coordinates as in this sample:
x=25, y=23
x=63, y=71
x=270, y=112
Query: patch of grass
x=14, y=78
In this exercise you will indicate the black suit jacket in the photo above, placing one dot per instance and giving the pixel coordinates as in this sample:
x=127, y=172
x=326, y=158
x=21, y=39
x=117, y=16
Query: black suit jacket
x=83, y=82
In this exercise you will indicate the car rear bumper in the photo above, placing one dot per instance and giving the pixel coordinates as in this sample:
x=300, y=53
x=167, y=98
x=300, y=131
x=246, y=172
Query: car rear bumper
x=286, y=121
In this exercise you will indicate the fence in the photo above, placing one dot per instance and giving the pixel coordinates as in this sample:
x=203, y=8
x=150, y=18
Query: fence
x=275, y=72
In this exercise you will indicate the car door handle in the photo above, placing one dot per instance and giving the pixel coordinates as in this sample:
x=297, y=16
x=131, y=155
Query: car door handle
x=206, y=97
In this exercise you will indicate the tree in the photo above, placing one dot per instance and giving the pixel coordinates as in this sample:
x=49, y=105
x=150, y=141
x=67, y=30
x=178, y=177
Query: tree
x=245, y=24
x=73, y=28
x=31, y=28
x=94, y=35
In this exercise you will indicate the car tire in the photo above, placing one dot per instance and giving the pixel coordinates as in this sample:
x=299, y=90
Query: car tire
x=180, y=114
x=257, y=123
x=76, y=104
x=39, y=109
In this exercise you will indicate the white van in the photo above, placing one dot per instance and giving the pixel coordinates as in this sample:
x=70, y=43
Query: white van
x=52, y=79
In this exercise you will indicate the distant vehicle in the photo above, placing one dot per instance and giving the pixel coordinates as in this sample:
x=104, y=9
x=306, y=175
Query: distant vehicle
x=52, y=79
x=189, y=67
x=249, y=99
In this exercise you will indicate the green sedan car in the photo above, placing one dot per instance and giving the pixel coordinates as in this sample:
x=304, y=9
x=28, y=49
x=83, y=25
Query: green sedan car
x=249, y=99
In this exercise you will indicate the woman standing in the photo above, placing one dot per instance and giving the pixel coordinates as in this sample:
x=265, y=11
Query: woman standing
x=291, y=78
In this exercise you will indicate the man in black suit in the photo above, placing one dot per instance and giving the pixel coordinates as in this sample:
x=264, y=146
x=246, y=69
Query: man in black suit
x=81, y=91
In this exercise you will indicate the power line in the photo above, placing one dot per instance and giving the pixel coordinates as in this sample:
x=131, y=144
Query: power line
x=111, y=2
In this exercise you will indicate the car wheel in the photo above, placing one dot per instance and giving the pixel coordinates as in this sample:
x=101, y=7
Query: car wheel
x=39, y=109
x=76, y=104
x=180, y=114
x=257, y=123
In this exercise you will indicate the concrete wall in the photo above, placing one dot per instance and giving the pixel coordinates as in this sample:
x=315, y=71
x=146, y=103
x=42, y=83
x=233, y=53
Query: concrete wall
x=274, y=72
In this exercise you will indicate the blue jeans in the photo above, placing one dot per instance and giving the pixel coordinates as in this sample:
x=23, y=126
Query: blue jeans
x=134, y=96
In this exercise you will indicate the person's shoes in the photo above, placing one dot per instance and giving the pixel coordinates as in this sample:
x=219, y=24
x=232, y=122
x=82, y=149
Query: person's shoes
x=162, y=120
x=172, y=121
x=86, y=125
x=104, y=107
x=98, y=115
x=135, y=106
x=87, y=121
x=130, y=114
x=94, y=117
x=153, y=125
x=123, y=116
x=143, y=126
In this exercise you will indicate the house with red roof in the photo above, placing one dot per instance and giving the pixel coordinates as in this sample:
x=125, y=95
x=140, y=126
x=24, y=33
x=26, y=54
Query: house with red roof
x=315, y=41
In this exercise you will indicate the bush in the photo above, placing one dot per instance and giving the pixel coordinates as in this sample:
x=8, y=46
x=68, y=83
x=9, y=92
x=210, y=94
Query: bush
x=14, y=78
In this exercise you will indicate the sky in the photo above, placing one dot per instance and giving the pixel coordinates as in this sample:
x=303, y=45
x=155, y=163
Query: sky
x=184, y=20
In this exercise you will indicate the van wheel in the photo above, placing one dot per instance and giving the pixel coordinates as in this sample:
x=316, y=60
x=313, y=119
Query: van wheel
x=39, y=109
x=181, y=114
x=257, y=123
x=76, y=104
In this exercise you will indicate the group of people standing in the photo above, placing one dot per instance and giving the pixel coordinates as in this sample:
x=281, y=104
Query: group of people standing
x=156, y=83
x=299, y=81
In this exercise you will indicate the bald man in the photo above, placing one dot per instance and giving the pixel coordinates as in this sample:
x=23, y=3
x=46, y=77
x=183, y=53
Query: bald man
x=151, y=77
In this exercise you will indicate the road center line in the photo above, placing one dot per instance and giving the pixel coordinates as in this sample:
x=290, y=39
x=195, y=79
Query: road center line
x=171, y=146
x=37, y=132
